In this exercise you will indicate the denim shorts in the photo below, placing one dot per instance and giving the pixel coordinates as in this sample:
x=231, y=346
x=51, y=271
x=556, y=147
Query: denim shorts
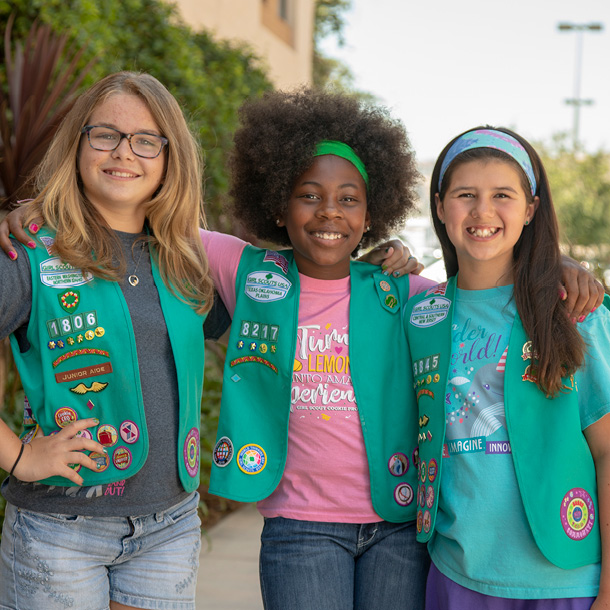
x=311, y=565
x=55, y=562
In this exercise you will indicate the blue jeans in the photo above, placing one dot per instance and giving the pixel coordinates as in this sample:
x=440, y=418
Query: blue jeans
x=310, y=565
x=56, y=562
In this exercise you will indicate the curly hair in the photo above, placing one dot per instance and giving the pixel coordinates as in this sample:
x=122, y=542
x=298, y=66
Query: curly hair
x=275, y=144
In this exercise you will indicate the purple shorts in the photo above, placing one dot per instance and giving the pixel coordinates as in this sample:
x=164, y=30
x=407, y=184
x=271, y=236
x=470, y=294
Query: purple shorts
x=444, y=594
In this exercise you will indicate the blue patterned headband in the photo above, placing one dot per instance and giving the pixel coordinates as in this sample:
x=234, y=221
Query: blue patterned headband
x=490, y=138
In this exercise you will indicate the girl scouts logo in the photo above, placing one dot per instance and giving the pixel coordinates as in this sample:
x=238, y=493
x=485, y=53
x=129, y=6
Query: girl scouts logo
x=251, y=459
x=57, y=274
x=577, y=514
x=430, y=311
x=191, y=452
x=267, y=287
x=69, y=300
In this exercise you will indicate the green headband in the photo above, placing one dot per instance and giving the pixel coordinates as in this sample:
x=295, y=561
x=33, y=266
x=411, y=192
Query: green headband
x=340, y=149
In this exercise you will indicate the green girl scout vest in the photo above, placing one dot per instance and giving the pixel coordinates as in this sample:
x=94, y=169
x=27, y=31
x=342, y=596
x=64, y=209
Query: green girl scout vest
x=250, y=453
x=553, y=463
x=82, y=362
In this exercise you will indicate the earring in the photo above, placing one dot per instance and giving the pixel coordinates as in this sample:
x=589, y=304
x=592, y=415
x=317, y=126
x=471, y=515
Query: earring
x=527, y=222
x=277, y=222
x=368, y=228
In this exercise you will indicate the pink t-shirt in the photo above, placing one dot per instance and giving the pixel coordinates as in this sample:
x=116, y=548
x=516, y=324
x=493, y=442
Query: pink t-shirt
x=326, y=477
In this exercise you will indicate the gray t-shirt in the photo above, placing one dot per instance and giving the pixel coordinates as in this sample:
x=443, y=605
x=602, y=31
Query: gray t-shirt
x=156, y=486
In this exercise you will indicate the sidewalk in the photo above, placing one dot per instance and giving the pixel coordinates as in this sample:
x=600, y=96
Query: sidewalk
x=228, y=565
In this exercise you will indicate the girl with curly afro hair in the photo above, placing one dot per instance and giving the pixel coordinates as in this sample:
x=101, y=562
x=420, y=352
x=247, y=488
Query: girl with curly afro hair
x=316, y=423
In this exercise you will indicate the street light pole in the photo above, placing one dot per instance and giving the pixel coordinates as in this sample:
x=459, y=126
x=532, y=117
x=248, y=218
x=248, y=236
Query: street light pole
x=576, y=101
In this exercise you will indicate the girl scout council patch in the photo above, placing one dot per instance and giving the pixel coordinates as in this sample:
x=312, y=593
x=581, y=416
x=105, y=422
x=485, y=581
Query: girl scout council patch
x=430, y=311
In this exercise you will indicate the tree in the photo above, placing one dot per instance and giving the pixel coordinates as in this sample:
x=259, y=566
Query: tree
x=581, y=192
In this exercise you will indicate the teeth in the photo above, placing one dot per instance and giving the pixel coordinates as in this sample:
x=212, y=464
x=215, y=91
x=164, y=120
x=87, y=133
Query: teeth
x=329, y=236
x=484, y=232
x=122, y=174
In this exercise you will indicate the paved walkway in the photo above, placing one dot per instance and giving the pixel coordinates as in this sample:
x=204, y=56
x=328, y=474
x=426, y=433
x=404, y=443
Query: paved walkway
x=228, y=565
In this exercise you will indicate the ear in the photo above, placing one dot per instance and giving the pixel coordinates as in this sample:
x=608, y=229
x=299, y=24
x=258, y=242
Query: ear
x=531, y=209
x=367, y=221
x=440, y=210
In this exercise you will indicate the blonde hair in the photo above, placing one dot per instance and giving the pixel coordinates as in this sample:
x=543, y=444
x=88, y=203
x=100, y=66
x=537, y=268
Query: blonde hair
x=174, y=213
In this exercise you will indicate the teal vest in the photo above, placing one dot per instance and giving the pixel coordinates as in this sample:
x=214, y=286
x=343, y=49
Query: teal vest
x=553, y=463
x=250, y=452
x=82, y=362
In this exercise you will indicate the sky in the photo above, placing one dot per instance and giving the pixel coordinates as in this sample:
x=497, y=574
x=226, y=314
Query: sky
x=445, y=66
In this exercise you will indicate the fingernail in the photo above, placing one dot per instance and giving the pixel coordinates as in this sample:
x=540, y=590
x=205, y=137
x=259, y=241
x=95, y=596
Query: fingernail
x=31, y=244
x=34, y=227
x=96, y=421
x=581, y=319
x=562, y=294
x=105, y=450
x=396, y=273
x=98, y=466
x=12, y=255
x=386, y=272
x=593, y=309
x=573, y=320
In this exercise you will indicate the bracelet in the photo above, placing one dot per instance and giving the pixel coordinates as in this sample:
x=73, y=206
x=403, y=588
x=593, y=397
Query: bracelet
x=17, y=460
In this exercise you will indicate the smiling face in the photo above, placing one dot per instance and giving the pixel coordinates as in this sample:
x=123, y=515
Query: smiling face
x=118, y=182
x=326, y=217
x=484, y=211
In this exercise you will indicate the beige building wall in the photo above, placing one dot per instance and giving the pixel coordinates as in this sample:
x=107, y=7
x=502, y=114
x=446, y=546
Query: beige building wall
x=279, y=31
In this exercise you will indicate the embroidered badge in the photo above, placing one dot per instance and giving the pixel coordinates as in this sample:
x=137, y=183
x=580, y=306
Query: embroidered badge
x=28, y=417
x=191, y=452
x=432, y=470
x=69, y=300
x=259, y=330
x=57, y=274
x=430, y=312
x=258, y=359
x=129, y=432
x=403, y=494
x=121, y=458
x=423, y=471
x=84, y=434
x=47, y=242
x=30, y=435
x=430, y=496
x=87, y=371
x=398, y=464
x=421, y=495
x=420, y=521
x=102, y=460
x=251, y=459
x=425, y=392
x=276, y=258
x=76, y=323
x=267, y=287
x=223, y=452
x=107, y=435
x=440, y=289
x=427, y=521
x=96, y=386
x=577, y=513
x=65, y=416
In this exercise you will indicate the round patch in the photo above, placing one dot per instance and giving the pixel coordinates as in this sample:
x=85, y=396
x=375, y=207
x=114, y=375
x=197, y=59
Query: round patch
x=75, y=467
x=403, y=494
x=65, y=416
x=432, y=470
x=421, y=496
x=191, y=452
x=121, y=458
x=577, y=514
x=101, y=459
x=422, y=471
x=427, y=521
x=223, y=452
x=251, y=459
x=398, y=464
x=84, y=434
x=430, y=496
x=129, y=432
x=107, y=435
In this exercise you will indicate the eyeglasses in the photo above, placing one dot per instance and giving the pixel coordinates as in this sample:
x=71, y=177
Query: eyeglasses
x=145, y=145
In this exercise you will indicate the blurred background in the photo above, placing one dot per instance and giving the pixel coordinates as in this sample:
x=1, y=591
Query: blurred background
x=441, y=67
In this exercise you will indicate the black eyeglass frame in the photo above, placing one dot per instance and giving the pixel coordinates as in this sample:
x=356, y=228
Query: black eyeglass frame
x=87, y=129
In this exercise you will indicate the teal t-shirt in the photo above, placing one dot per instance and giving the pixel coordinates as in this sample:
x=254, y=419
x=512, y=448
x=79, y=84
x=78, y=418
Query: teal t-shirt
x=482, y=539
